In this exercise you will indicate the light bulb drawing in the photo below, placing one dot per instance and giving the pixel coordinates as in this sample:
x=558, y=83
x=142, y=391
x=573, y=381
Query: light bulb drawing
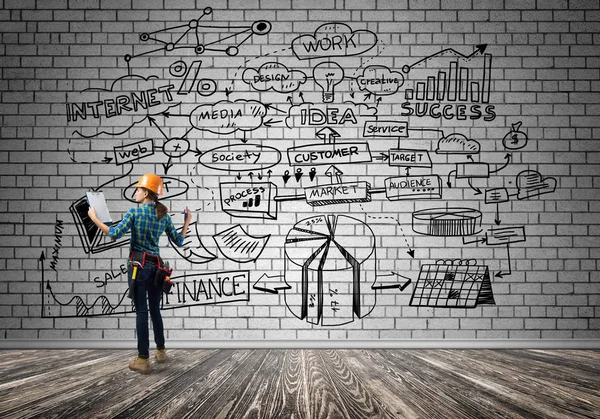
x=327, y=75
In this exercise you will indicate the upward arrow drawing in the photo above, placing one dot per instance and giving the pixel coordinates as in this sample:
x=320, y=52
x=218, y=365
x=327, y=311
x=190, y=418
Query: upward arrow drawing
x=479, y=49
x=328, y=135
x=334, y=171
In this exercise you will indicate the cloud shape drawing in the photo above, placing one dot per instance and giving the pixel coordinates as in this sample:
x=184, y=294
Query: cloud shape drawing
x=128, y=101
x=226, y=117
x=380, y=80
x=274, y=76
x=333, y=40
x=457, y=144
x=531, y=183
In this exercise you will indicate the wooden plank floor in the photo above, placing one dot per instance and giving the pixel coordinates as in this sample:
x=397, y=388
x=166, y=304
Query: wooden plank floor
x=302, y=383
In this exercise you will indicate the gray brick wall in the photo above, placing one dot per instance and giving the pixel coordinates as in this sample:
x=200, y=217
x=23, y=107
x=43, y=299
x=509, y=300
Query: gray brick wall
x=543, y=82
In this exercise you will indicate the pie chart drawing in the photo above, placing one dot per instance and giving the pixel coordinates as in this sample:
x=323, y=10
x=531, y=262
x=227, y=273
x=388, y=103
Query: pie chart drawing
x=330, y=265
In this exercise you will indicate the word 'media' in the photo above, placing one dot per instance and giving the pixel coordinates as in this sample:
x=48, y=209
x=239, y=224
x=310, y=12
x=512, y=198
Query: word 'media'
x=111, y=107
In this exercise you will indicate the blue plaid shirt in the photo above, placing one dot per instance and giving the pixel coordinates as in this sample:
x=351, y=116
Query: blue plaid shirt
x=147, y=229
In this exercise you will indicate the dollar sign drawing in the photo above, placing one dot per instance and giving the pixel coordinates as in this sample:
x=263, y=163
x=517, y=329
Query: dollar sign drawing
x=515, y=139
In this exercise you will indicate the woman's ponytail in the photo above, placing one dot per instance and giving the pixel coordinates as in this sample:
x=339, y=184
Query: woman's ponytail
x=161, y=209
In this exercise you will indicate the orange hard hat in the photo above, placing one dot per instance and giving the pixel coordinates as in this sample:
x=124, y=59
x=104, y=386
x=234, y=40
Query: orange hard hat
x=151, y=182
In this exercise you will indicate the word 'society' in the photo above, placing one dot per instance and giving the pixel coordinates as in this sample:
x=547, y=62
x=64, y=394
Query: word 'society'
x=330, y=274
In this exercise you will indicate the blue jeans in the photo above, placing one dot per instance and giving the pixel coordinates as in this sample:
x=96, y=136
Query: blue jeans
x=144, y=285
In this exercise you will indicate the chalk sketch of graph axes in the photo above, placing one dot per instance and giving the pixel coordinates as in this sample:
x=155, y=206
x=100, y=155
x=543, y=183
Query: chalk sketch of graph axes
x=456, y=73
x=81, y=308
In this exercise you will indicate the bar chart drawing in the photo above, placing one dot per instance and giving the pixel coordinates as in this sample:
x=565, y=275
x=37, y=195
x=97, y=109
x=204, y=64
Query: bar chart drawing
x=454, y=81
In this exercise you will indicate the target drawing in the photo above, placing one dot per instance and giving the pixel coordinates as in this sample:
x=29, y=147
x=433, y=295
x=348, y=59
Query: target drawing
x=330, y=265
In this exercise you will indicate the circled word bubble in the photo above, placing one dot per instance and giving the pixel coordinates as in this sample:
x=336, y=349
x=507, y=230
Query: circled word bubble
x=240, y=157
x=172, y=187
x=176, y=147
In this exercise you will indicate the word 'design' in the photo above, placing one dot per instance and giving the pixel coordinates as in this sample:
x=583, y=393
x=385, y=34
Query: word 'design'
x=333, y=40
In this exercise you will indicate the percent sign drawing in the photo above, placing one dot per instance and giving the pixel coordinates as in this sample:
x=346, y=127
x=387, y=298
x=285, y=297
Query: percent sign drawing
x=191, y=74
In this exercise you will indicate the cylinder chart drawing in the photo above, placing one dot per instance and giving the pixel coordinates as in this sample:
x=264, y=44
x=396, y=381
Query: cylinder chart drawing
x=330, y=265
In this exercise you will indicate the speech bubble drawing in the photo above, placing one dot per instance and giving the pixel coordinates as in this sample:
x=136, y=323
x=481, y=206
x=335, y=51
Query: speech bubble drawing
x=531, y=183
x=333, y=39
x=128, y=101
x=347, y=114
x=456, y=143
x=274, y=76
x=226, y=117
x=380, y=80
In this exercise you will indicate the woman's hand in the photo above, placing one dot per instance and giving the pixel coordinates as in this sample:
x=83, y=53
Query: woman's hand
x=92, y=214
x=95, y=220
x=187, y=216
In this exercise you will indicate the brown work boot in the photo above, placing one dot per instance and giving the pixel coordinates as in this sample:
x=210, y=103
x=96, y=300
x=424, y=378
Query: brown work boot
x=140, y=365
x=161, y=355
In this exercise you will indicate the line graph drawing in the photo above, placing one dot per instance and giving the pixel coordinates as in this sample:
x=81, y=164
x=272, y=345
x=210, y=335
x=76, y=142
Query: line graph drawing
x=76, y=306
x=196, y=26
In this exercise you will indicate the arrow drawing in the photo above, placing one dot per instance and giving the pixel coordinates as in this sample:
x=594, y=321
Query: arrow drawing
x=259, y=285
x=334, y=171
x=383, y=286
x=328, y=135
x=479, y=49
x=507, y=157
x=502, y=274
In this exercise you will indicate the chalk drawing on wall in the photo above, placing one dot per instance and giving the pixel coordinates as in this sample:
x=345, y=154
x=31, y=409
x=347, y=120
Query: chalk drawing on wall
x=333, y=39
x=453, y=283
x=236, y=158
x=457, y=143
x=330, y=265
x=92, y=239
x=447, y=222
x=130, y=99
x=515, y=139
x=197, y=28
x=531, y=183
x=274, y=76
x=207, y=288
x=249, y=199
x=329, y=269
x=193, y=249
x=448, y=85
x=237, y=245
